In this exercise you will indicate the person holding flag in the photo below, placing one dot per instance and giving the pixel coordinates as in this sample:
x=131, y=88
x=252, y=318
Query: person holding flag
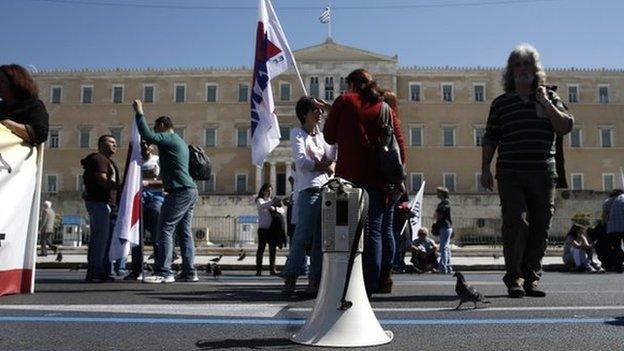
x=181, y=195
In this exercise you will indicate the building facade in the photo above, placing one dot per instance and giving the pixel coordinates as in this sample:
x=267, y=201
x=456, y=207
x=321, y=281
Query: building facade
x=443, y=111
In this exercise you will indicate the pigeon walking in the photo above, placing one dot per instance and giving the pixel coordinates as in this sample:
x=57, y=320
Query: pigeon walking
x=216, y=270
x=467, y=293
x=59, y=257
x=241, y=255
x=208, y=269
x=217, y=259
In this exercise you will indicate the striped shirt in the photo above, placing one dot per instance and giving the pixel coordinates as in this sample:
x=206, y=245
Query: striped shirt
x=522, y=132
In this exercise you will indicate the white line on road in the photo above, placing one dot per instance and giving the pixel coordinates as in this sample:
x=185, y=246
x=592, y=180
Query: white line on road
x=484, y=309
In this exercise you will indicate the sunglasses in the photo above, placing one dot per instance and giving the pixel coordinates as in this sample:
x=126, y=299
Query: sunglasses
x=523, y=63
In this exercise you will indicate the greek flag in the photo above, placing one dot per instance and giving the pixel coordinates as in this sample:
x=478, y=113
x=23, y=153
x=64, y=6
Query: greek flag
x=325, y=16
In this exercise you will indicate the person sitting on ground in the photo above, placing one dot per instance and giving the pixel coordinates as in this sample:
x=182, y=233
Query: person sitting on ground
x=424, y=252
x=577, y=250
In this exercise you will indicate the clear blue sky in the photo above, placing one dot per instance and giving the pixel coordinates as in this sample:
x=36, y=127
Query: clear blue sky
x=50, y=34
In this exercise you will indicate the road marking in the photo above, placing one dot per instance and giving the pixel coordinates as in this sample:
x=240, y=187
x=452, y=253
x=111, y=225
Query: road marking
x=483, y=309
x=273, y=321
x=213, y=310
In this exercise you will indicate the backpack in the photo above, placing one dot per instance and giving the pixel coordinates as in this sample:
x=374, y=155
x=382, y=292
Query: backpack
x=388, y=153
x=199, y=163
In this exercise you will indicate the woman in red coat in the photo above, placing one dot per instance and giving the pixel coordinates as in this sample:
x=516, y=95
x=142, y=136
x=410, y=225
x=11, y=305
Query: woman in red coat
x=353, y=124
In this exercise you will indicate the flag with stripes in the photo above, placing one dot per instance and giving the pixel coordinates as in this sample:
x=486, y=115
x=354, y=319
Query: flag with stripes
x=126, y=232
x=273, y=57
x=325, y=16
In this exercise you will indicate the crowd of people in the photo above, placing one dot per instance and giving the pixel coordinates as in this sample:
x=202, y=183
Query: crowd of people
x=524, y=127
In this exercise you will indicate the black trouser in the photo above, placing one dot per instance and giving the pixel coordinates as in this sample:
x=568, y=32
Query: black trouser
x=264, y=236
x=45, y=242
x=617, y=255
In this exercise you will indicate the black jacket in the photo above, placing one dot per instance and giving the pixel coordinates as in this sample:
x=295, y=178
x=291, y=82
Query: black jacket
x=32, y=113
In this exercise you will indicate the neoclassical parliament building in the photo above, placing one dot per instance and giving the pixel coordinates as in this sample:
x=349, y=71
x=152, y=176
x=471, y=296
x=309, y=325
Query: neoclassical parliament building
x=443, y=111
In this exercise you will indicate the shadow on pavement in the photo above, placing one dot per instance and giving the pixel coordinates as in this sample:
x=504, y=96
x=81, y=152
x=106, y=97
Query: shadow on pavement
x=88, y=291
x=257, y=344
x=619, y=321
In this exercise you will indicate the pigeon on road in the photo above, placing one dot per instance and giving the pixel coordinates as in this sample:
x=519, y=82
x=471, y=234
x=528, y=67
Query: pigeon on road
x=467, y=293
x=208, y=269
x=241, y=255
x=216, y=270
x=217, y=259
x=59, y=257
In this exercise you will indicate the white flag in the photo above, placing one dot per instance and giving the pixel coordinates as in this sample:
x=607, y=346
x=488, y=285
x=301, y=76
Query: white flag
x=416, y=209
x=622, y=177
x=325, y=16
x=126, y=230
x=273, y=57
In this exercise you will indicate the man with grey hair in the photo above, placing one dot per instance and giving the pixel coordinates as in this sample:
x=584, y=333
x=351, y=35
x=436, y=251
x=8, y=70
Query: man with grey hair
x=523, y=126
x=46, y=228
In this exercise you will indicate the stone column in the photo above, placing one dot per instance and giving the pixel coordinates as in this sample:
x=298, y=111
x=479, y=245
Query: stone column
x=273, y=177
x=288, y=174
x=258, y=178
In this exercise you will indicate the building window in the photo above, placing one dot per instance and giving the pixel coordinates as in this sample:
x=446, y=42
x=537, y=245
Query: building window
x=241, y=183
x=84, y=138
x=414, y=91
x=54, y=139
x=607, y=181
x=118, y=94
x=447, y=92
x=86, y=95
x=577, y=181
x=180, y=131
x=284, y=91
x=479, y=92
x=242, y=137
x=212, y=92
x=56, y=94
x=344, y=86
x=416, y=136
x=478, y=135
x=573, y=93
x=606, y=137
x=576, y=137
x=329, y=88
x=210, y=137
x=243, y=92
x=314, y=87
x=448, y=136
x=116, y=133
x=478, y=187
x=149, y=94
x=416, y=180
x=209, y=185
x=284, y=133
x=179, y=93
x=449, y=181
x=603, y=94
x=51, y=183
x=79, y=183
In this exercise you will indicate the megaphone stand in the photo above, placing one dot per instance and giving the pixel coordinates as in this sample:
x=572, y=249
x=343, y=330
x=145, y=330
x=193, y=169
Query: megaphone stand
x=342, y=315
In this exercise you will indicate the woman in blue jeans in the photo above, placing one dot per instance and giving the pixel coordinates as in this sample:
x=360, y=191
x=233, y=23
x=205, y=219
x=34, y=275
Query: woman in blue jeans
x=315, y=161
x=445, y=230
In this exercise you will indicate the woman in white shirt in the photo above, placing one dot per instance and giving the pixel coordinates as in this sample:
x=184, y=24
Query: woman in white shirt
x=266, y=205
x=315, y=161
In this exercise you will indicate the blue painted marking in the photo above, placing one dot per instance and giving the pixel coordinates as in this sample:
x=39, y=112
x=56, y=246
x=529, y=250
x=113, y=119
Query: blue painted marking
x=270, y=321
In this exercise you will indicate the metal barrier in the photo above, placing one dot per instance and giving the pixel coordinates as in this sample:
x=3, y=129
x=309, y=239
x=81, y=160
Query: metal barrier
x=238, y=231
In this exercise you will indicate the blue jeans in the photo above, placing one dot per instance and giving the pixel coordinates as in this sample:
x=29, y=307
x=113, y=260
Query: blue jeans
x=98, y=264
x=378, y=239
x=445, y=250
x=151, y=214
x=175, y=216
x=307, y=232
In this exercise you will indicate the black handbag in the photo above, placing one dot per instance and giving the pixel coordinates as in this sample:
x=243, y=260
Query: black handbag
x=388, y=153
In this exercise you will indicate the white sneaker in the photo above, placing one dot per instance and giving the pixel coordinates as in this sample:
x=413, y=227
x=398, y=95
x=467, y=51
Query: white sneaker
x=157, y=279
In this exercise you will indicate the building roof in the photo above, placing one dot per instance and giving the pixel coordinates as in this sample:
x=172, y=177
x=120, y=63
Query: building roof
x=332, y=51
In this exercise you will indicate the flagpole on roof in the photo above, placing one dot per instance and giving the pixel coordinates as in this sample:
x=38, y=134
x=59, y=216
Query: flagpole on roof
x=330, y=21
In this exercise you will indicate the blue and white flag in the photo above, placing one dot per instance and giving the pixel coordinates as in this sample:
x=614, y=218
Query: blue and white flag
x=325, y=16
x=273, y=57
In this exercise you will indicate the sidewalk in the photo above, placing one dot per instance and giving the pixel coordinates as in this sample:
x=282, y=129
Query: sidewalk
x=469, y=258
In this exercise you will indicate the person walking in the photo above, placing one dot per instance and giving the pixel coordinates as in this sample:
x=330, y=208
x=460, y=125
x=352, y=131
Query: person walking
x=354, y=126
x=523, y=125
x=444, y=226
x=613, y=216
x=101, y=180
x=47, y=228
x=315, y=162
x=266, y=204
x=180, y=197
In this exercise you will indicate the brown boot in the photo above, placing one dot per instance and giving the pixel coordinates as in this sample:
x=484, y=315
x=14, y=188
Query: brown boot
x=385, y=282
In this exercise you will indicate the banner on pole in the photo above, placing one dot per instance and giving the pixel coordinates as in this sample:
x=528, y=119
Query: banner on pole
x=416, y=206
x=20, y=182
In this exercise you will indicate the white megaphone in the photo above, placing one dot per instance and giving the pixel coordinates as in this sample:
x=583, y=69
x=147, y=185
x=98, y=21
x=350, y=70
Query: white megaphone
x=342, y=315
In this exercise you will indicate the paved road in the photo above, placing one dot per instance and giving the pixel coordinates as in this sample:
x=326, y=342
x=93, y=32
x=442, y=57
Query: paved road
x=239, y=311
